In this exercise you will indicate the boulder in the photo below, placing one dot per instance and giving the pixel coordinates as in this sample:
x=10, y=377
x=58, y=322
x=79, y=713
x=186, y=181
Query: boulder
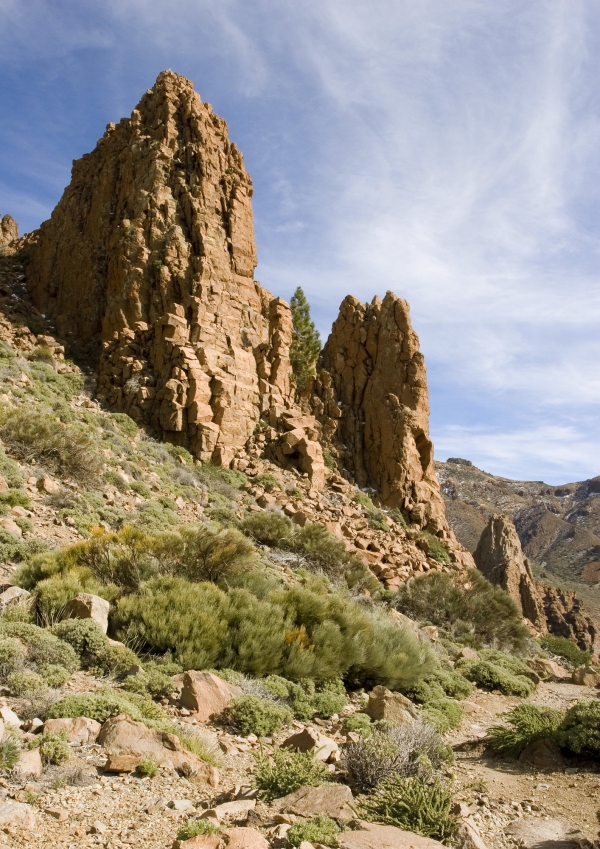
x=88, y=606
x=468, y=835
x=331, y=800
x=372, y=835
x=534, y=833
x=543, y=754
x=121, y=735
x=547, y=668
x=309, y=740
x=11, y=526
x=122, y=763
x=17, y=814
x=9, y=717
x=244, y=838
x=384, y=704
x=237, y=809
x=13, y=596
x=206, y=694
x=201, y=841
x=80, y=730
x=585, y=676
x=29, y=763
x=3, y=485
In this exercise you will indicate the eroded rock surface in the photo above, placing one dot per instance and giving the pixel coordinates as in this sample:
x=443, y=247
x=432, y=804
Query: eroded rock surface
x=9, y=232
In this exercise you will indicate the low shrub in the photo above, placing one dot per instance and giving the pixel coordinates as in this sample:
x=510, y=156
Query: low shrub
x=435, y=548
x=443, y=714
x=358, y=723
x=150, y=680
x=14, y=498
x=115, y=479
x=566, y=649
x=85, y=636
x=414, y=805
x=267, y=481
x=392, y=750
x=319, y=829
x=201, y=743
x=524, y=724
x=490, y=676
x=253, y=715
x=268, y=528
x=327, y=703
x=454, y=685
x=54, y=676
x=43, y=648
x=54, y=748
x=105, y=703
x=39, y=438
x=147, y=768
x=12, y=657
x=285, y=772
x=468, y=607
x=140, y=488
x=580, y=730
x=193, y=828
x=10, y=750
x=25, y=682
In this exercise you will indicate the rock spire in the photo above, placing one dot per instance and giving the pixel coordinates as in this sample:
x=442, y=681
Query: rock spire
x=9, y=232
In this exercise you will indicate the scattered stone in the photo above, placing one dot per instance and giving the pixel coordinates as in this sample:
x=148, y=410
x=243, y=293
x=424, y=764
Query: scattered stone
x=547, y=668
x=80, y=730
x=244, y=838
x=309, y=740
x=181, y=805
x=88, y=606
x=59, y=814
x=383, y=704
x=29, y=763
x=468, y=835
x=48, y=485
x=534, y=833
x=122, y=763
x=9, y=716
x=205, y=694
x=374, y=836
x=98, y=827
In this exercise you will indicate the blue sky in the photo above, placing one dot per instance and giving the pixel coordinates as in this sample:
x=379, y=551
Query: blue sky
x=448, y=150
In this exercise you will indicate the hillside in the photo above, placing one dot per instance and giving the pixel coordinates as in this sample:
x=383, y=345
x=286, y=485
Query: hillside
x=559, y=526
x=233, y=611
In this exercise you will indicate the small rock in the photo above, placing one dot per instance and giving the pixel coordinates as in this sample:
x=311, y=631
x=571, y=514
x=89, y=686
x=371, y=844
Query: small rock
x=585, y=676
x=122, y=763
x=383, y=704
x=9, y=716
x=205, y=694
x=372, y=835
x=59, y=814
x=13, y=596
x=97, y=827
x=47, y=485
x=3, y=485
x=88, y=606
x=29, y=763
x=244, y=838
x=543, y=754
x=234, y=809
x=331, y=800
x=309, y=740
x=80, y=730
x=181, y=804
x=11, y=526
x=17, y=814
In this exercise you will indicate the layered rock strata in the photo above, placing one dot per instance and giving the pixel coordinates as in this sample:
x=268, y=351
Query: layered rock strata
x=150, y=254
x=500, y=558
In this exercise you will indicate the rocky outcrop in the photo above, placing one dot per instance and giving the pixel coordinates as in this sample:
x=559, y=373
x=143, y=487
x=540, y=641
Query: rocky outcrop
x=9, y=232
x=500, y=558
x=149, y=258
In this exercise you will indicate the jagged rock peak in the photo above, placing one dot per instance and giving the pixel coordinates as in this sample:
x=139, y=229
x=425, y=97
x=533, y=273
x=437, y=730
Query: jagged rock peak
x=150, y=257
x=9, y=232
x=500, y=558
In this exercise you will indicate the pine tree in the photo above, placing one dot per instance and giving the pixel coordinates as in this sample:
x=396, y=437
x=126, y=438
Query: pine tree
x=306, y=342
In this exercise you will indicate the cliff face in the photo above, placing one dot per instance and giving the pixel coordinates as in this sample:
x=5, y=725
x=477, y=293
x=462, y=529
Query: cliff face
x=150, y=254
x=9, y=232
x=500, y=558
x=149, y=259
x=372, y=403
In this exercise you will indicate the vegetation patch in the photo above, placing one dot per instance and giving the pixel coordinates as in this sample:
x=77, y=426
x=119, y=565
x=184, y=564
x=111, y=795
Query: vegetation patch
x=285, y=771
x=413, y=804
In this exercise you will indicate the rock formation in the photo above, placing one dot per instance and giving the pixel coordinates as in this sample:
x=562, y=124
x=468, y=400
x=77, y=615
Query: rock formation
x=372, y=403
x=149, y=259
x=9, y=232
x=150, y=256
x=500, y=558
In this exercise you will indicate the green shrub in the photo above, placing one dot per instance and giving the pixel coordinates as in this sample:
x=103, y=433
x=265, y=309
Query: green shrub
x=359, y=723
x=267, y=528
x=454, y=685
x=68, y=450
x=468, y=607
x=512, y=664
x=10, y=750
x=285, y=772
x=147, y=768
x=414, y=805
x=565, y=648
x=14, y=550
x=85, y=636
x=25, y=682
x=253, y=715
x=580, y=729
x=392, y=750
x=12, y=656
x=327, y=703
x=322, y=550
x=114, y=479
x=14, y=498
x=491, y=676
x=10, y=471
x=126, y=425
x=267, y=481
x=151, y=680
x=208, y=555
x=435, y=548
x=319, y=829
x=43, y=648
x=329, y=459
x=140, y=488
x=192, y=828
x=115, y=660
x=104, y=704
x=54, y=676
x=54, y=748
x=200, y=743
x=443, y=714
x=524, y=724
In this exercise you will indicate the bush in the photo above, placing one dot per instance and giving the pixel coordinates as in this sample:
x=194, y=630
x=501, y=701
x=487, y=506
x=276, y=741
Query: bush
x=491, y=676
x=25, y=682
x=151, y=680
x=326, y=703
x=319, y=829
x=54, y=676
x=286, y=772
x=147, y=768
x=192, y=828
x=566, y=649
x=392, y=750
x=359, y=723
x=454, y=685
x=443, y=714
x=467, y=607
x=267, y=481
x=104, y=704
x=267, y=528
x=114, y=479
x=580, y=729
x=435, y=548
x=43, y=648
x=14, y=498
x=201, y=743
x=12, y=656
x=68, y=450
x=253, y=715
x=525, y=724
x=414, y=805
x=208, y=555
x=10, y=750
x=85, y=636
x=54, y=748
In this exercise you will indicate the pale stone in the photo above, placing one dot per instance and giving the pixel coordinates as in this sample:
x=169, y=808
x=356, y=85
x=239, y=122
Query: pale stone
x=17, y=814
x=13, y=596
x=383, y=704
x=310, y=740
x=29, y=763
x=375, y=836
x=80, y=730
x=88, y=606
x=542, y=754
x=11, y=526
x=584, y=676
x=331, y=800
x=206, y=694
x=9, y=716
